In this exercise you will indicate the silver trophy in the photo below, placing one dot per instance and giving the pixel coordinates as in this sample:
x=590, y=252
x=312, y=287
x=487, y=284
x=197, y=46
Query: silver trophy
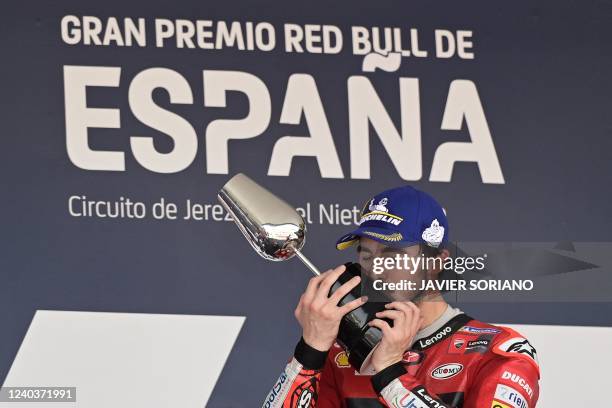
x=276, y=231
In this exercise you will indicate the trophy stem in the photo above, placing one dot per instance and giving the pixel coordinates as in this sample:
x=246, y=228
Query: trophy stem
x=307, y=262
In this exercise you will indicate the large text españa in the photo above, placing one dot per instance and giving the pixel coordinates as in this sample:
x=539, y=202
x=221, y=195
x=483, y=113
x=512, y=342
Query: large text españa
x=365, y=110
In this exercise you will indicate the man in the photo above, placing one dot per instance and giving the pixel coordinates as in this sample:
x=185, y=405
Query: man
x=432, y=355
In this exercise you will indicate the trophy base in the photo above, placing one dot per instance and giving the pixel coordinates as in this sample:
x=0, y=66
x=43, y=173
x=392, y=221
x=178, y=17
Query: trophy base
x=354, y=335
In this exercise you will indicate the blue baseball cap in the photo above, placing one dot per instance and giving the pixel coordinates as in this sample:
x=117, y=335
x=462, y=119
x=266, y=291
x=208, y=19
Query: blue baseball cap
x=402, y=216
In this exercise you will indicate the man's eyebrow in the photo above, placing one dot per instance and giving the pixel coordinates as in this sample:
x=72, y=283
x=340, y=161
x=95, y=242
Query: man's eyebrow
x=392, y=250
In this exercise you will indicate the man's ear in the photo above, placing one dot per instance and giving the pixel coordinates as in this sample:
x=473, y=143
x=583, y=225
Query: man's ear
x=434, y=273
x=444, y=253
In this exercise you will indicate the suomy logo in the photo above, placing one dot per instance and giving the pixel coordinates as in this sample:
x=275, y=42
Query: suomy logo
x=446, y=371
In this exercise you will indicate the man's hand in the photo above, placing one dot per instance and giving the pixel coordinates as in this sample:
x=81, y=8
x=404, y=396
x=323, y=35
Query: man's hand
x=396, y=340
x=318, y=314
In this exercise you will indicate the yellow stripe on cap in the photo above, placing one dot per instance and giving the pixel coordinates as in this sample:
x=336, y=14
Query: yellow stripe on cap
x=343, y=245
x=396, y=236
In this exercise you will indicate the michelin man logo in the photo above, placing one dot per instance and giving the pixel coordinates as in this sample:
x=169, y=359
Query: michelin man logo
x=381, y=206
x=433, y=234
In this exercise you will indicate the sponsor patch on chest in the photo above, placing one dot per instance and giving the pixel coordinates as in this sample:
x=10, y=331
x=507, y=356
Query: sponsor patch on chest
x=445, y=371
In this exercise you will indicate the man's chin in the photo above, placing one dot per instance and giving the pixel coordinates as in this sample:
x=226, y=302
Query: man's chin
x=404, y=296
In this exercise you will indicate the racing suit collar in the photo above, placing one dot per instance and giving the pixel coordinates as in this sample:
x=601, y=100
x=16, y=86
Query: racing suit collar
x=429, y=337
x=437, y=324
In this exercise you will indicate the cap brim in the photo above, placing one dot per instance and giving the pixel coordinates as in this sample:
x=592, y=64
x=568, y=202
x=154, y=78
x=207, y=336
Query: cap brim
x=382, y=235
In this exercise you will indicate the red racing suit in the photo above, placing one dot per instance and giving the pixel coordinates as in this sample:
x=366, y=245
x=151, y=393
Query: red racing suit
x=465, y=363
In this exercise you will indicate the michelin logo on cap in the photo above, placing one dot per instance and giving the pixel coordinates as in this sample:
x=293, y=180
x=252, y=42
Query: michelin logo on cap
x=434, y=234
x=380, y=212
x=380, y=206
